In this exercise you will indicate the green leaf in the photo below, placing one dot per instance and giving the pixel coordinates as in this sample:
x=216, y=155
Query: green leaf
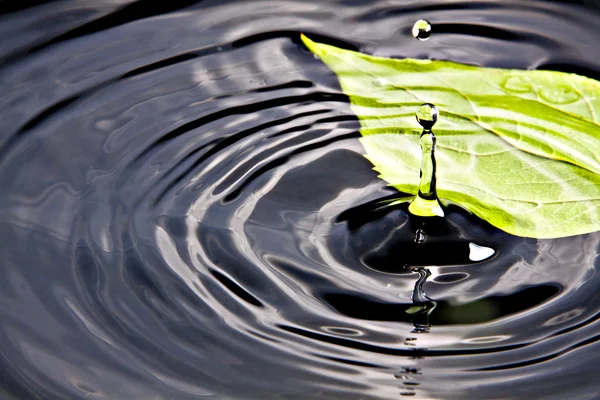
x=520, y=149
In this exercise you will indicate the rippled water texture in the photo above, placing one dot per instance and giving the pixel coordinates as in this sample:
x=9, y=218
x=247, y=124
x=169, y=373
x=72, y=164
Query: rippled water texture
x=184, y=211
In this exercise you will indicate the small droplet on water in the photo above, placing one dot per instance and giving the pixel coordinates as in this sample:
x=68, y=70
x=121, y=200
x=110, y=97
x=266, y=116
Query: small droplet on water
x=422, y=29
x=427, y=115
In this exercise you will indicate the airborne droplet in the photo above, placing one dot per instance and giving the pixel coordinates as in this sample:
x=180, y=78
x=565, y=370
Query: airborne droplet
x=422, y=29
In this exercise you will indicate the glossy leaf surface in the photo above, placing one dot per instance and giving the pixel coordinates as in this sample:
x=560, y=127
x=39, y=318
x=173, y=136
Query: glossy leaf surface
x=520, y=149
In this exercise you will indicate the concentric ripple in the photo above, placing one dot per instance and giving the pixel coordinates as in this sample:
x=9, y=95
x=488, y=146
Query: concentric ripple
x=186, y=212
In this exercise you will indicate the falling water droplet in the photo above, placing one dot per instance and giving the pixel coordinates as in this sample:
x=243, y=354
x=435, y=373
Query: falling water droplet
x=422, y=29
x=426, y=203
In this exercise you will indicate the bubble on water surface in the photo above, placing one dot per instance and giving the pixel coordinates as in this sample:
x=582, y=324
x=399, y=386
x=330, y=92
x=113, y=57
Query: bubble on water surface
x=421, y=29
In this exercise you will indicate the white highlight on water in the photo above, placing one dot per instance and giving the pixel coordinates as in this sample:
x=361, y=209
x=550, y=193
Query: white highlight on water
x=480, y=253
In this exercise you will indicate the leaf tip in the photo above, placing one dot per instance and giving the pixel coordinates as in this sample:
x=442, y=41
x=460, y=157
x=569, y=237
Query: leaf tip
x=311, y=45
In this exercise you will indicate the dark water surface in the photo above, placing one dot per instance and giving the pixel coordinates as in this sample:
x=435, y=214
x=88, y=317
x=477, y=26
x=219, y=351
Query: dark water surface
x=184, y=212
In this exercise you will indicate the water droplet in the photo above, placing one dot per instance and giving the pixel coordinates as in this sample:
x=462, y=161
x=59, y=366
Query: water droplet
x=422, y=29
x=517, y=84
x=427, y=115
x=559, y=94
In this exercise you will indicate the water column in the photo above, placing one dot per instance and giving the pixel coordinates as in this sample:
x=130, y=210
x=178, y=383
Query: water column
x=426, y=203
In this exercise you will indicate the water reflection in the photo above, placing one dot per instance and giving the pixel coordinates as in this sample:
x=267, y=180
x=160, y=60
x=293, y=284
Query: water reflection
x=180, y=212
x=423, y=306
x=419, y=313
